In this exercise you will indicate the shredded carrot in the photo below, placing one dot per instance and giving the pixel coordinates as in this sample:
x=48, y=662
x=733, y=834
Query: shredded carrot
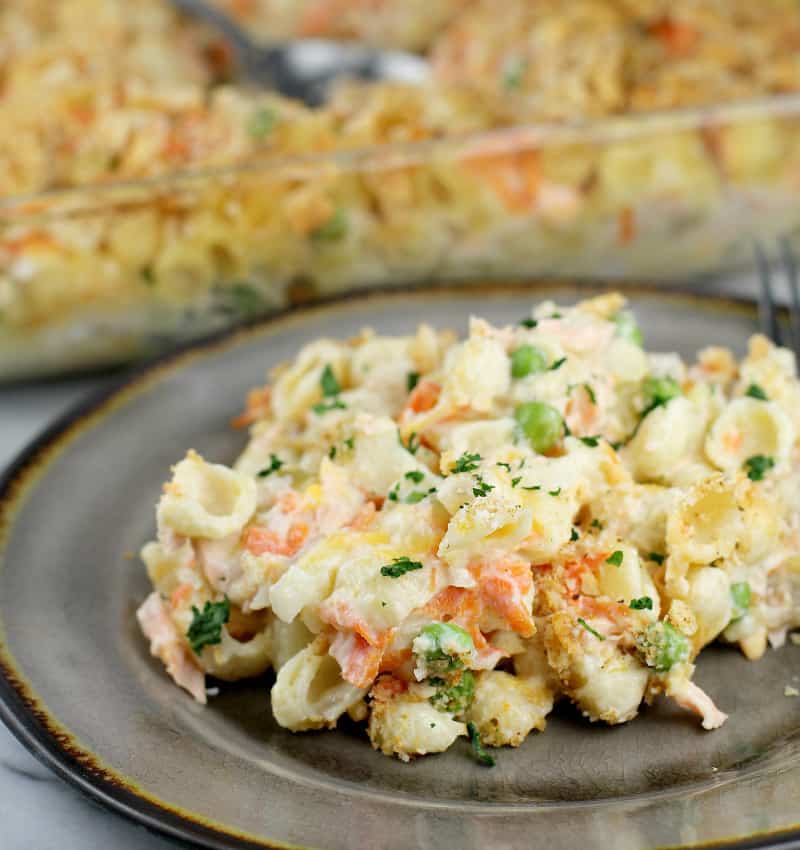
x=257, y=407
x=424, y=396
x=260, y=541
x=515, y=177
x=364, y=518
x=181, y=593
x=678, y=38
x=627, y=225
x=503, y=587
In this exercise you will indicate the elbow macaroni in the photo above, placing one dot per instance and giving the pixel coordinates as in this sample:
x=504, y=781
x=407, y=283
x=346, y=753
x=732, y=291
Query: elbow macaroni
x=384, y=544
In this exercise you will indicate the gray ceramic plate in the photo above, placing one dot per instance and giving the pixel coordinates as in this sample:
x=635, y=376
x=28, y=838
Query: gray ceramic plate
x=80, y=690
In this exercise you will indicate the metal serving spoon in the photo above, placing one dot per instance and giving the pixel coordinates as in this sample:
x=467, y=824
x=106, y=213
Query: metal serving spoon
x=305, y=68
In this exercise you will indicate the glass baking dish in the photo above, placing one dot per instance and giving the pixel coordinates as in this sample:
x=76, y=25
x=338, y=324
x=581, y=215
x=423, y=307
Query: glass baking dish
x=108, y=273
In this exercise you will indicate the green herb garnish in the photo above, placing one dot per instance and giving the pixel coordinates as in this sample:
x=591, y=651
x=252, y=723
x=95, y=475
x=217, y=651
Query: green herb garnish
x=643, y=603
x=415, y=475
x=757, y=466
x=206, y=627
x=275, y=463
x=592, y=442
x=333, y=229
x=755, y=391
x=400, y=566
x=615, y=558
x=574, y=535
x=481, y=488
x=466, y=463
x=412, y=379
x=330, y=386
x=558, y=364
x=590, y=629
x=654, y=556
x=261, y=123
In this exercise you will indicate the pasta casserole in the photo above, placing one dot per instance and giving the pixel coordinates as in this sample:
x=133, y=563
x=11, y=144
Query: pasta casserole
x=443, y=538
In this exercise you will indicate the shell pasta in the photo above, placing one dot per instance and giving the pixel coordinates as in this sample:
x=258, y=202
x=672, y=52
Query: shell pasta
x=444, y=538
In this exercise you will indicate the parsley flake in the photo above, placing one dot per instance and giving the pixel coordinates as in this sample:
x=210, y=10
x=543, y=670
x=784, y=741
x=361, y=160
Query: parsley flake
x=558, y=364
x=757, y=466
x=400, y=566
x=556, y=492
x=755, y=391
x=206, y=626
x=275, y=463
x=330, y=386
x=528, y=323
x=350, y=442
x=506, y=466
x=595, y=523
x=412, y=379
x=332, y=452
x=590, y=629
x=574, y=535
x=467, y=462
x=590, y=392
x=481, y=488
x=415, y=475
x=654, y=556
x=615, y=558
x=592, y=442
x=643, y=603
x=326, y=406
x=516, y=480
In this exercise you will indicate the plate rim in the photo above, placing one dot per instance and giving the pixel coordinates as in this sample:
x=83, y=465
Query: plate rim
x=40, y=733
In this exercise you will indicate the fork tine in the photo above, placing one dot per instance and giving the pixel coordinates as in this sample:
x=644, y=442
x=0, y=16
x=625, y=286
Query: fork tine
x=794, y=292
x=766, y=301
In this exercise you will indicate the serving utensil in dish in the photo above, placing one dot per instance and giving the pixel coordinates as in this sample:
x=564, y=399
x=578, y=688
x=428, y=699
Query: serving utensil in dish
x=79, y=688
x=305, y=68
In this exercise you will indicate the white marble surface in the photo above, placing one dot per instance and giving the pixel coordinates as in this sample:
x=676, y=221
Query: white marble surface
x=37, y=810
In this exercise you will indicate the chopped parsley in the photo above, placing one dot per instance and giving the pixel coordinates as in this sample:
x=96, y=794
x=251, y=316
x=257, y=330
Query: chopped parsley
x=533, y=487
x=658, y=392
x=592, y=442
x=595, y=523
x=556, y=492
x=275, y=463
x=528, y=323
x=481, y=488
x=654, y=556
x=417, y=496
x=477, y=748
x=514, y=73
x=506, y=466
x=467, y=462
x=400, y=566
x=393, y=493
x=413, y=442
x=148, y=275
x=415, y=475
x=755, y=391
x=590, y=392
x=516, y=480
x=590, y=629
x=325, y=406
x=330, y=386
x=558, y=364
x=574, y=535
x=412, y=379
x=333, y=229
x=261, y=123
x=643, y=603
x=206, y=627
x=330, y=390
x=615, y=558
x=350, y=442
x=757, y=466
x=332, y=452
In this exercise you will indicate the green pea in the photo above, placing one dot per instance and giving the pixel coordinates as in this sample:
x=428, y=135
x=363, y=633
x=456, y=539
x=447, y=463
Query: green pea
x=448, y=637
x=664, y=646
x=627, y=328
x=527, y=360
x=741, y=596
x=541, y=423
x=453, y=698
x=659, y=391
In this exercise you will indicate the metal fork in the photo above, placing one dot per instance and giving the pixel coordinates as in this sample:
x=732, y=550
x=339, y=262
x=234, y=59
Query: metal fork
x=767, y=306
x=305, y=68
